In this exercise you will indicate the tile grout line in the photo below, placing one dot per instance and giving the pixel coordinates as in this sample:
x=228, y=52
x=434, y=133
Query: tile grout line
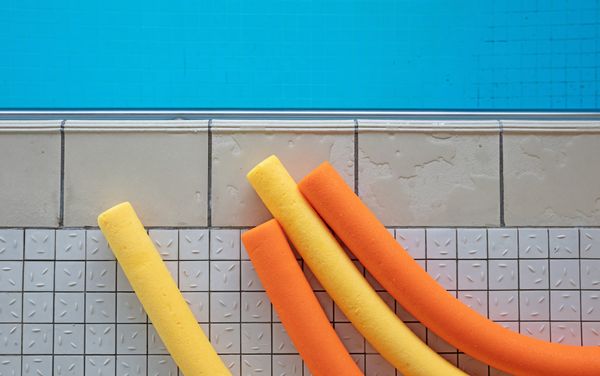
x=54, y=303
x=22, y=297
x=356, y=156
x=501, y=171
x=209, y=177
x=487, y=277
x=549, y=287
x=61, y=213
x=580, y=291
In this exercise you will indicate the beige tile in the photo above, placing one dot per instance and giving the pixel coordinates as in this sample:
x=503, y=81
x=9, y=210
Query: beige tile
x=412, y=176
x=160, y=166
x=29, y=173
x=239, y=146
x=552, y=178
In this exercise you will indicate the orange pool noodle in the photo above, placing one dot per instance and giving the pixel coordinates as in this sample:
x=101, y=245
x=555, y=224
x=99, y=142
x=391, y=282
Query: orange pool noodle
x=425, y=299
x=295, y=302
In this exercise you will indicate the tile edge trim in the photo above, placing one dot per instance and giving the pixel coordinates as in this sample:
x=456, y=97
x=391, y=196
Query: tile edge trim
x=176, y=126
x=30, y=126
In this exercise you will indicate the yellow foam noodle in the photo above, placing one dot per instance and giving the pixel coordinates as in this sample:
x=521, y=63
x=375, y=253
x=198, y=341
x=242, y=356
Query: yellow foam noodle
x=343, y=281
x=174, y=321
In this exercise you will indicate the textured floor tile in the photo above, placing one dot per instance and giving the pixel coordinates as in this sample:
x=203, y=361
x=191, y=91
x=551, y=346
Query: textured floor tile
x=503, y=274
x=30, y=173
x=590, y=305
x=37, y=365
x=504, y=305
x=162, y=173
x=539, y=330
x=534, y=305
x=193, y=275
x=256, y=338
x=166, y=243
x=568, y=333
x=225, y=338
x=533, y=243
x=502, y=243
x=533, y=274
x=131, y=338
x=591, y=333
x=199, y=304
x=65, y=365
x=69, y=276
x=39, y=244
x=282, y=343
x=289, y=365
x=39, y=276
x=70, y=244
x=472, y=243
x=441, y=243
x=100, y=338
x=10, y=338
x=11, y=244
x=564, y=242
x=476, y=300
x=131, y=365
x=565, y=305
x=69, y=307
x=232, y=362
x=100, y=365
x=472, y=275
x=435, y=179
x=256, y=365
x=193, y=244
x=69, y=338
x=413, y=241
x=129, y=308
x=37, y=307
x=11, y=276
x=541, y=174
x=11, y=308
x=256, y=307
x=590, y=242
x=225, y=306
x=97, y=247
x=236, y=152
x=37, y=338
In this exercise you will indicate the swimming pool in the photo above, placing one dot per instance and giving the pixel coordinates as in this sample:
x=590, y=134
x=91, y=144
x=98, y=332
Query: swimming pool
x=233, y=54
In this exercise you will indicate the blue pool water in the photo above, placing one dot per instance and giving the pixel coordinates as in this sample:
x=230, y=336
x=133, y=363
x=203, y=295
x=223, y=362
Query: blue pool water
x=320, y=54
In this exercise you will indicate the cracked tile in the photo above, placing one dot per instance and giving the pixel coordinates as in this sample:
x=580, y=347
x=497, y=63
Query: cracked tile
x=236, y=151
x=539, y=173
x=430, y=179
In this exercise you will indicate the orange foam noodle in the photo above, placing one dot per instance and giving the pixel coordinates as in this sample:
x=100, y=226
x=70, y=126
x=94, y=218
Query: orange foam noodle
x=428, y=301
x=295, y=302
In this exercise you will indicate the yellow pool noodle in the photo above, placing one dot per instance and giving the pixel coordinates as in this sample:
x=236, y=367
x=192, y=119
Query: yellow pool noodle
x=158, y=293
x=333, y=268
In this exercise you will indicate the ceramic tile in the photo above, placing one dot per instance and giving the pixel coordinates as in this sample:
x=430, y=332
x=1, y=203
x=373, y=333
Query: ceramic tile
x=162, y=173
x=430, y=179
x=568, y=333
x=539, y=173
x=282, y=343
x=30, y=169
x=68, y=365
x=131, y=365
x=235, y=152
x=11, y=244
x=37, y=365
